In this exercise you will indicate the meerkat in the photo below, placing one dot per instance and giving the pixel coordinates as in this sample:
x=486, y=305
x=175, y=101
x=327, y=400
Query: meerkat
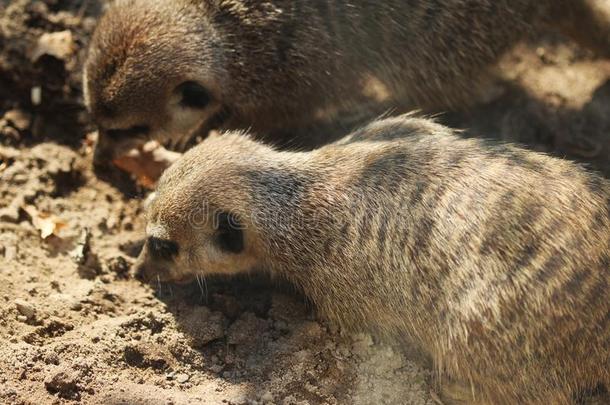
x=492, y=259
x=167, y=69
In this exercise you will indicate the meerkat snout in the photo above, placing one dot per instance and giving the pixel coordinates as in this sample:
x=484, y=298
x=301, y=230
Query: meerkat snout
x=189, y=106
x=157, y=253
x=144, y=79
x=170, y=254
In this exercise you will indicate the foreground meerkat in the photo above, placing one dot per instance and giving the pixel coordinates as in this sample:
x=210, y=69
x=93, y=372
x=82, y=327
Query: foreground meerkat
x=166, y=69
x=492, y=259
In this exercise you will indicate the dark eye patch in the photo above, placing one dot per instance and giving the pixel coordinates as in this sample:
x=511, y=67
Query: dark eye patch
x=162, y=249
x=193, y=95
x=136, y=130
x=229, y=234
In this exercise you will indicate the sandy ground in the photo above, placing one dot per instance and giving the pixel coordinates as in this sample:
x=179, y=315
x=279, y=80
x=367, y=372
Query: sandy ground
x=75, y=327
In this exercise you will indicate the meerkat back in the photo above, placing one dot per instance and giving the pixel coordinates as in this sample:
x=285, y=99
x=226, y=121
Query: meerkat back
x=170, y=69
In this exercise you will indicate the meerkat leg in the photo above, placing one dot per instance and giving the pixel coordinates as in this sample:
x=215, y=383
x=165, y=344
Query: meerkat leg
x=588, y=23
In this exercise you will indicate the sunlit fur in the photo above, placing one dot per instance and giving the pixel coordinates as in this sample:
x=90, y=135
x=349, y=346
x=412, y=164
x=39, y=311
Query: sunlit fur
x=492, y=259
x=276, y=66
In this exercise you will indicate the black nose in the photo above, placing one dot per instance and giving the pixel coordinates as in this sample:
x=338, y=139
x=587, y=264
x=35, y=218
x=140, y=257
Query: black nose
x=102, y=154
x=102, y=169
x=143, y=269
x=107, y=171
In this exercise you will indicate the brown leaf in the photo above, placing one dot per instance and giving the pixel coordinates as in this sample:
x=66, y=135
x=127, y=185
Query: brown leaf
x=48, y=224
x=148, y=163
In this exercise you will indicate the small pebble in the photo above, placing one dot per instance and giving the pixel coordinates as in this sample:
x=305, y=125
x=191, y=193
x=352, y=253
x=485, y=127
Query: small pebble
x=10, y=253
x=118, y=265
x=182, y=378
x=267, y=397
x=26, y=309
x=52, y=358
x=19, y=118
x=63, y=383
x=36, y=95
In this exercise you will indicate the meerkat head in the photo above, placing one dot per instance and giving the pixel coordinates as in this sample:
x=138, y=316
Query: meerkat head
x=200, y=220
x=210, y=240
x=153, y=71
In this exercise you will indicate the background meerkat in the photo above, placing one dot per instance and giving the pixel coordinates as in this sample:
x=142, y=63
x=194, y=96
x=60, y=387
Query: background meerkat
x=166, y=69
x=492, y=259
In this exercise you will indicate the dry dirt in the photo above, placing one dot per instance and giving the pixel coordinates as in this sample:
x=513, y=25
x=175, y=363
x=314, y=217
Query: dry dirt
x=75, y=327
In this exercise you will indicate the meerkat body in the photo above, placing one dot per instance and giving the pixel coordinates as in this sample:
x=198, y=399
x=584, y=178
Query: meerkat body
x=493, y=259
x=165, y=68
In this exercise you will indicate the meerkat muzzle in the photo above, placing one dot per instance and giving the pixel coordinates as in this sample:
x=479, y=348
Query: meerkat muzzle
x=147, y=271
x=141, y=269
x=103, y=152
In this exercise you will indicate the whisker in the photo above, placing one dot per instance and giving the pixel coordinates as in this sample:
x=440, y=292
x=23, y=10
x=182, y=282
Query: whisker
x=181, y=142
x=205, y=284
x=158, y=285
x=197, y=277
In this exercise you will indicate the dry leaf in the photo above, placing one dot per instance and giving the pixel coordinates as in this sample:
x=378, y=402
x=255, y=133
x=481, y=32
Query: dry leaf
x=60, y=45
x=47, y=224
x=147, y=163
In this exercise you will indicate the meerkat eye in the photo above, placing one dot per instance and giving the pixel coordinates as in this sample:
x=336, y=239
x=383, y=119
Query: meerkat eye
x=229, y=234
x=162, y=249
x=193, y=95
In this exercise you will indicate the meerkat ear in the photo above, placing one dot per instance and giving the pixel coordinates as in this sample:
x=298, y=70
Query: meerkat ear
x=193, y=95
x=229, y=233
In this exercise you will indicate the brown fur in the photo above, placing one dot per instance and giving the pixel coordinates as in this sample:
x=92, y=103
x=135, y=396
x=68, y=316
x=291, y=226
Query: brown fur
x=493, y=259
x=276, y=66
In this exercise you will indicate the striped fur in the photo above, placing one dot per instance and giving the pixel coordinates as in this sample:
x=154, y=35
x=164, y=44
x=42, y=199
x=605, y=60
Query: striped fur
x=493, y=259
x=278, y=66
